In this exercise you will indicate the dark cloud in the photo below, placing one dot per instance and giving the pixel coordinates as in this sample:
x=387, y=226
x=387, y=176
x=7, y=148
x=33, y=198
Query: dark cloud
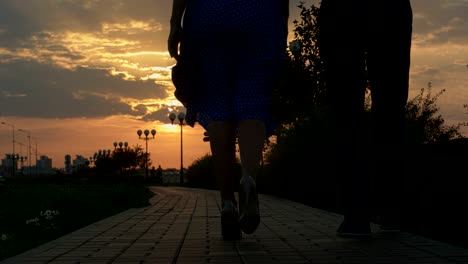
x=141, y=109
x=162, y=114
x=22, y=19
x=16, y=26
x=61, y=105
x=426, y=71
x=440, y=21
x=39, y=90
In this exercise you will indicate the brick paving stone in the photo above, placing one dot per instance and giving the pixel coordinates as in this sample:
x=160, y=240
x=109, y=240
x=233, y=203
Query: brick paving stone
x=182, y=225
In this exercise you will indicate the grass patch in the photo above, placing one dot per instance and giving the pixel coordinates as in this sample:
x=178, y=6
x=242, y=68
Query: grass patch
x=32, y=214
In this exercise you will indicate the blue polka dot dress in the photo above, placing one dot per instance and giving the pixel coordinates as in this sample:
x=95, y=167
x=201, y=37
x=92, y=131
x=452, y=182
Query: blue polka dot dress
x=235, y=49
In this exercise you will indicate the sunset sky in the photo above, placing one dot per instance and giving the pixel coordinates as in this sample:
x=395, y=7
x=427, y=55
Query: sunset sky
x=81, y=74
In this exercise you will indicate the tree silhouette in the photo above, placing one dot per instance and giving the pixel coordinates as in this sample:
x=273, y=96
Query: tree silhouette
x=424, y=123
x=301, y=88
x=121, y=161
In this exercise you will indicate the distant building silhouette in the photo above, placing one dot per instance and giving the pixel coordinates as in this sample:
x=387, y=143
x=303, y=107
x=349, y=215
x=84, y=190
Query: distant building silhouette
x=171, y=175
x=44, y=165
x=7, y=166
x=80, y=162
x=68, y=164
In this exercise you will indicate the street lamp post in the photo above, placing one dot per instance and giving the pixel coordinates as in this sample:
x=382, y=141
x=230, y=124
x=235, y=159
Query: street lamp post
x=91, y=160
x=21, y=159
x=29, y=148
x=13, y=153
x=146, y=138
x=35, y=154
x=121, y=155
x=181, y=118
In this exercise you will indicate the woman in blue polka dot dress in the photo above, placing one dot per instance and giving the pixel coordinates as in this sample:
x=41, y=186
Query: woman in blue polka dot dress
x=228, y=62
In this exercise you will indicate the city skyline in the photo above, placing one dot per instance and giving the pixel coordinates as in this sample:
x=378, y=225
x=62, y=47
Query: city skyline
x=61, y=143
x=82, y=74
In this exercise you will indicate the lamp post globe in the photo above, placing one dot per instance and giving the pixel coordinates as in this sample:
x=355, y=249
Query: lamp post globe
x=146, y=133
x=181, y=117
x=172, y=117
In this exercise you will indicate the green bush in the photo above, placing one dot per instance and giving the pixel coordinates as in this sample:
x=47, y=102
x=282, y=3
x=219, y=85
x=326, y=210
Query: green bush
x=201, y=173
x=423, y=121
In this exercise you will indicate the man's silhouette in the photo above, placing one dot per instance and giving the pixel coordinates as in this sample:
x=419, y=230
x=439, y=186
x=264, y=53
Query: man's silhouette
x=367, y=43
x=159, y=173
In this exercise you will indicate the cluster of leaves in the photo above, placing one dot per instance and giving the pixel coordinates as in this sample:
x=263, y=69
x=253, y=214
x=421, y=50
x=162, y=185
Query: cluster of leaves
x=201, y=173
x=121, y=161
x=424, y=123
x=302, y=87
x=466, y=109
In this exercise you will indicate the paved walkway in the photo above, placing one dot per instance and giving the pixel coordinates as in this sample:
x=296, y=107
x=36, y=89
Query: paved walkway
x=183, y=226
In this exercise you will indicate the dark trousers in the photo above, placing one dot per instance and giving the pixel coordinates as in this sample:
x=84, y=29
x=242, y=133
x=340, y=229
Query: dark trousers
x=367, y=43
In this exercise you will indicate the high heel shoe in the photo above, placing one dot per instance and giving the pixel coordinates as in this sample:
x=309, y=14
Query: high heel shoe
x=248, y=205
x=230, y=229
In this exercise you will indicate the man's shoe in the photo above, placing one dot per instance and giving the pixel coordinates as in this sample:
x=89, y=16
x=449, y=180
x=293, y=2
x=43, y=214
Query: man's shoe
x=248, y=205
x=230, y=229
x=354, y=229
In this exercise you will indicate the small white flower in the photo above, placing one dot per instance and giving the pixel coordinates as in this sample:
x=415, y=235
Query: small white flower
x=33, y=221
x=4, y=237
x=49, y=214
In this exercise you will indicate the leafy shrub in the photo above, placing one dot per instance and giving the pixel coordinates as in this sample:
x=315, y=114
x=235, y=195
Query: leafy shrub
x=424, y=123
x=201, y=173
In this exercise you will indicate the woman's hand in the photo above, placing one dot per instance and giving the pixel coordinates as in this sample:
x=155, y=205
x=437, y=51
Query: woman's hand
x=175, y=38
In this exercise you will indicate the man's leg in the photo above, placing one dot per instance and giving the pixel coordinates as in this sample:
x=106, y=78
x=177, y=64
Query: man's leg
x=342, y=50
x=388, y=64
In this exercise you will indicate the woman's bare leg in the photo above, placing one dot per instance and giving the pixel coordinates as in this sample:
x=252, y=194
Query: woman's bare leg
x=251, y=142
x=251, y=139
x=223, y=149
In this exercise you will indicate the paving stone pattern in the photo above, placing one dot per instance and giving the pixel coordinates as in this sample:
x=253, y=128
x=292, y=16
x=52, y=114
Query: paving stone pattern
x=182, y=225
